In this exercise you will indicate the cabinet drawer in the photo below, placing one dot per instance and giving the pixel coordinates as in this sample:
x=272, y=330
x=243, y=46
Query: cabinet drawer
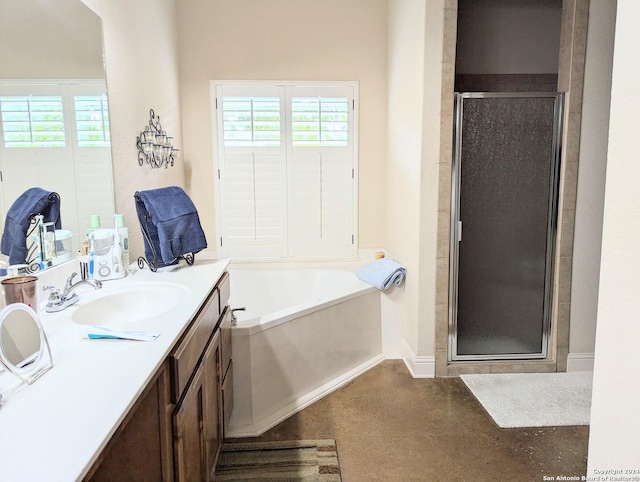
x=185, y=357
x=227, y=397
x=224, y=290
x=225, y=341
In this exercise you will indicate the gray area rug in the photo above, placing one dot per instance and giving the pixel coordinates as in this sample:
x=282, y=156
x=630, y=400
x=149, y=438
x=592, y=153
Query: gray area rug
x=290, y=461
x=534, y=399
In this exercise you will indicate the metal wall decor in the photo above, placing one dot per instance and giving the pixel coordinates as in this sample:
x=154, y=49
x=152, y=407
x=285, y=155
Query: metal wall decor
x=154, y=146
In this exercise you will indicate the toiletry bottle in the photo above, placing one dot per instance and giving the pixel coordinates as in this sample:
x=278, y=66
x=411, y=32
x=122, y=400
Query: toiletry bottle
x=94, y=223
x=116, y=254
x=91, y=257
x=124, y=238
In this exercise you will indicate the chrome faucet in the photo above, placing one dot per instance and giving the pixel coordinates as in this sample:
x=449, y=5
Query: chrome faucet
x=234, y=319
x=59, y=300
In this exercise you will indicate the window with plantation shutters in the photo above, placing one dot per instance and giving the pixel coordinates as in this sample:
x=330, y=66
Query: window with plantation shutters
x=32, y=121
x=92, y=120
x=286, y=169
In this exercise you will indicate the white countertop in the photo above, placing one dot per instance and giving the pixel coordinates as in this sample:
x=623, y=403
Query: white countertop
x=55, y=429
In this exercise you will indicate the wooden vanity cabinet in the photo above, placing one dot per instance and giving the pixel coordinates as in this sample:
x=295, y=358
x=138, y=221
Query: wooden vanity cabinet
x=176, y=428
x=197, y=374
x=141, y=448
x=197, y=424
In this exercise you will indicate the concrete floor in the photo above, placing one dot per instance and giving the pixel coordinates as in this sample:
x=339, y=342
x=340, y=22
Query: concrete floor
x=391, y=427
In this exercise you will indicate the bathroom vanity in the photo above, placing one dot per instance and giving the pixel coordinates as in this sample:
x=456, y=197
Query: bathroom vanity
x=175, y=429
x=129, y=410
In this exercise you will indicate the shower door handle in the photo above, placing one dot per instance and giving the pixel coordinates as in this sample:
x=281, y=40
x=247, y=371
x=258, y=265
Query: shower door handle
x=459, y=231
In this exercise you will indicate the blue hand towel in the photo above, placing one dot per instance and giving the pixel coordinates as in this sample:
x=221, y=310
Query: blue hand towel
x=171, y=220
x=382, y=273
x=33, y=201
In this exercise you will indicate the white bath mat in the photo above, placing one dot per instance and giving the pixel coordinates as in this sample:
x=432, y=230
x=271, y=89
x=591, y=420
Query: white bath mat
x=534, y=399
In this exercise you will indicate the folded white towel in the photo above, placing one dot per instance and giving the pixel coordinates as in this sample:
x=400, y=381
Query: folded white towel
x=383, y=273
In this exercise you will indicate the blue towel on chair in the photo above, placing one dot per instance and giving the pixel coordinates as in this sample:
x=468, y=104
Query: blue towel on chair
x=33, y=201
x=171, y=220
x=382, y=273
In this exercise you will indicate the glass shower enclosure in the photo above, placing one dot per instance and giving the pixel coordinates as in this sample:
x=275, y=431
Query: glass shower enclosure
x=504, y=217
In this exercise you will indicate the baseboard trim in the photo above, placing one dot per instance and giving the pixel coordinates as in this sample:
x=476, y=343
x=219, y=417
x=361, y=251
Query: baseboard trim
x=419, y=366
x=248, y=429
x=580, y=362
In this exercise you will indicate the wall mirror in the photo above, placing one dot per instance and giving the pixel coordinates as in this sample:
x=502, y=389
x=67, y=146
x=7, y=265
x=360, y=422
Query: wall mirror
x=24, y=348
x=54, y=126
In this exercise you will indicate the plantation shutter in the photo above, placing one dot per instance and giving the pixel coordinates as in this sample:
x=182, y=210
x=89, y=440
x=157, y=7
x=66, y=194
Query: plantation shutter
x=92, y=153
x=321, y=172
x=34, y=149
x=32, y=121
x=253, y=205
x=92, y=120
x=285, y=170
x=251, y=171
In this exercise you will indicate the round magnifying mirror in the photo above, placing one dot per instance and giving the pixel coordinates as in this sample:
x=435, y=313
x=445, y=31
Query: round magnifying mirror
x=19, y=337
x=24, y=349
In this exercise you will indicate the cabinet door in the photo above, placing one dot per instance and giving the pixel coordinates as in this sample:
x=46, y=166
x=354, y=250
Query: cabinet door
x=227, y=397
x=188, y=432
x=213, y=403
x=139, y=449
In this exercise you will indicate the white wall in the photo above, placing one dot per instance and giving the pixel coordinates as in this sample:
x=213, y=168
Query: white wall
x=285, y=40
x=140, y=47
x=46, y=40
x=591, y=180
x=615, y=420
x=507, y=37
x=404, y=153
x=415, y=42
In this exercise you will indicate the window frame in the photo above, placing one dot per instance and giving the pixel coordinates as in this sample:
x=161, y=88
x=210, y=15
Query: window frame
x=216, y=87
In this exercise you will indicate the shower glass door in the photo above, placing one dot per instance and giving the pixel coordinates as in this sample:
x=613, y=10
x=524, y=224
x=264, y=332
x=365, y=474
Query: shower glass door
x=504, y=213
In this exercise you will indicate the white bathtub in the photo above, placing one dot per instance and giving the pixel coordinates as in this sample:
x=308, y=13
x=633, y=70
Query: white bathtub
x=272, y=297
x=305, y=333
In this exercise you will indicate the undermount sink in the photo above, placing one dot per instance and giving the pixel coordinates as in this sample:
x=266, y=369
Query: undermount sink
x=135, y=303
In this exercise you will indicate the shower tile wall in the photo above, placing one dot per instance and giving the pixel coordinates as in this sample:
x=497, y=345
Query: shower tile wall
x=573, y=42
x=444, y=185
